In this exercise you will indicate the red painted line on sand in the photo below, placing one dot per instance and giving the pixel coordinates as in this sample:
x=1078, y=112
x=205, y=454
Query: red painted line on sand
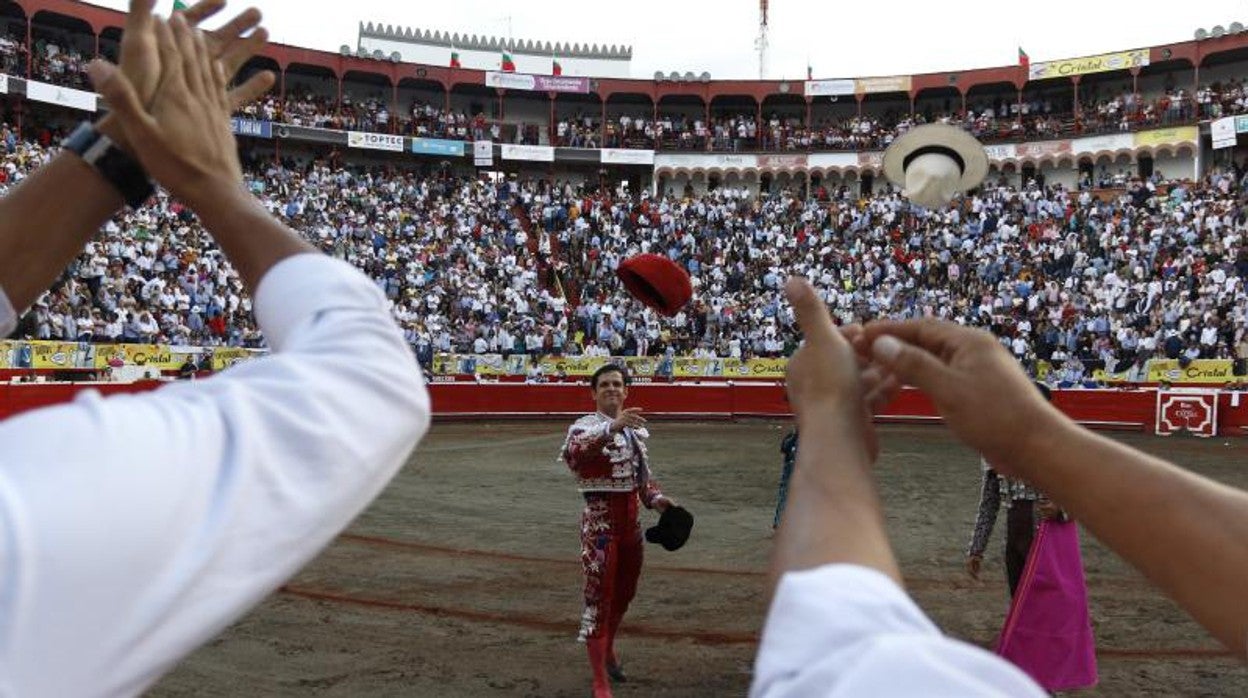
x=911, y=583
x=702, y=637
x=413, y=546
x=1165, y=653
x=523, y=621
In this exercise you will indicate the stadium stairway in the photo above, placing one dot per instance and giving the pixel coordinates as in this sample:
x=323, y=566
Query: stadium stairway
x=545, y=271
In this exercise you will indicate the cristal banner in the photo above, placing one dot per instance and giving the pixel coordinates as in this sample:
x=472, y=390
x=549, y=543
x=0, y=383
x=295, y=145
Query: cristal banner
x=1105, y=62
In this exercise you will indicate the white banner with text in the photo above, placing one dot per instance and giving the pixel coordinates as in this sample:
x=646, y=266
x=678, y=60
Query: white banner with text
x=64, y=96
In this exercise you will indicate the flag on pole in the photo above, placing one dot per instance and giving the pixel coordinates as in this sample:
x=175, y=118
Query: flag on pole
x=1023, y=59
x=555, y=67
x=508, y=65
x=455, y=60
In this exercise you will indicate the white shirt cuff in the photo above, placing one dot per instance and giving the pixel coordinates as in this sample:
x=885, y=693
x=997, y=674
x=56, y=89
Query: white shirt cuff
x=840, y=605
x=848, y=630
x=299, y=287
x=8, y=316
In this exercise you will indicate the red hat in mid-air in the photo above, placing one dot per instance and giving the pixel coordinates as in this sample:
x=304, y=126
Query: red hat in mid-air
x=656, y=281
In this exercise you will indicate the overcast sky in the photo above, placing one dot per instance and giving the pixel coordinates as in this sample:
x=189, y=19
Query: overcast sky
x=838, y=38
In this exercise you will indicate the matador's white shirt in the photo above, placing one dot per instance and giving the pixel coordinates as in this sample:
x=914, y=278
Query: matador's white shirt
x=135, y=528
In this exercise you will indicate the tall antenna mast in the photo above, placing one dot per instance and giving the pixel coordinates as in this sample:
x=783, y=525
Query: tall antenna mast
x=761, y=42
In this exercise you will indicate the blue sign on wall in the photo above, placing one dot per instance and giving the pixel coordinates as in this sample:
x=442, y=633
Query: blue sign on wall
x=251, y=127
x=437, y=146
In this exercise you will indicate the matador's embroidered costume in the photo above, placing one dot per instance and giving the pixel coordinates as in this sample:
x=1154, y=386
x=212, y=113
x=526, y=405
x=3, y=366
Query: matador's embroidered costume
x=613, y=475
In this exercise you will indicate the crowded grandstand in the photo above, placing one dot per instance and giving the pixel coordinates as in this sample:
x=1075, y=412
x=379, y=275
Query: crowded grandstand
x=1108, y=234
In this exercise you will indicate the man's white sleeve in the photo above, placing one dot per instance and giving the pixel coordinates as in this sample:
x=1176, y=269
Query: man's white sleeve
x=846, y=630
x=135, y=528
x=8, y=316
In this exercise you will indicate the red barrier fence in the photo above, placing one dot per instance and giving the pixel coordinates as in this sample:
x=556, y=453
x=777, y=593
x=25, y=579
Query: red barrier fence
x=16, y=398
x=1121, y=409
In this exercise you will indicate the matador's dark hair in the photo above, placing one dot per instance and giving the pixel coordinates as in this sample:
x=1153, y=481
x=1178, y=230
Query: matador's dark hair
x=610, y=368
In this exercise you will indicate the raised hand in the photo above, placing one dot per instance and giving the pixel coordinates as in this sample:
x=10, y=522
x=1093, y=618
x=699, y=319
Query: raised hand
x=232, y=44
x=628, y=418
x=183, y=139
x=824, y=378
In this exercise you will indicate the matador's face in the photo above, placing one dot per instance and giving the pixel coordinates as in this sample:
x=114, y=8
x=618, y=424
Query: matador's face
x=610, y=393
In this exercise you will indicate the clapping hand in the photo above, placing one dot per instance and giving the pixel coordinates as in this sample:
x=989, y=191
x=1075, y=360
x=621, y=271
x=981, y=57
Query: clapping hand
x=232, y=44
x=183, y=137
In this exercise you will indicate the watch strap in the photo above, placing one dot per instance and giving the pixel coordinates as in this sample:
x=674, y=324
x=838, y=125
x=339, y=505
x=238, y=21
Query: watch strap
x=120, y=170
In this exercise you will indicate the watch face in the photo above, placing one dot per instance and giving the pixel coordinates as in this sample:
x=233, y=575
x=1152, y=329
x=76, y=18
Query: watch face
x=82, y=138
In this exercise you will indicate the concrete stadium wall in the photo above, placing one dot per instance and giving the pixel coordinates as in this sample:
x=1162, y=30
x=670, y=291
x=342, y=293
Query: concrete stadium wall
x=1171, y=167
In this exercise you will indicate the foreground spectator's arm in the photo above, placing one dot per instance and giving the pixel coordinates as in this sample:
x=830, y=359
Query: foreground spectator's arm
x=1192, y=539
x=134, y=529
x=839, y=622
x=31, y=256
x=833, y=513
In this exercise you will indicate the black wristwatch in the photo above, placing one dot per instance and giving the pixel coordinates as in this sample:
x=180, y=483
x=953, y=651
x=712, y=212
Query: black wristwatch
x=119, y=169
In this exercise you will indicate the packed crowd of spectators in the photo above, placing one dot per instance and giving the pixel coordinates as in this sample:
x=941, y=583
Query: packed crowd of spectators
x=1222, y=98
x=990, y=122
x=12, y=51
x=56, y=60
x=1062, y=277
x=528, y=266
x=1035, y=118
x=303, y=107
x=59, y=63
x=999, y=120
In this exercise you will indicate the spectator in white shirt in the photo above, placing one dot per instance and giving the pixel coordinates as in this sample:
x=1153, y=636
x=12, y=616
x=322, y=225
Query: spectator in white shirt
x=840, y=622
x=235, y=491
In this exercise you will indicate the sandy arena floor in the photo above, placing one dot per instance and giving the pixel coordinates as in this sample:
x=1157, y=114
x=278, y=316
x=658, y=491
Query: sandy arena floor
x=463, y=579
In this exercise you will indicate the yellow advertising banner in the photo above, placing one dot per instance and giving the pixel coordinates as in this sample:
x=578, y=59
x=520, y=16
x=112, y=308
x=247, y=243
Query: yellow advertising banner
x=688, y=367
x=494, y=365
x=54, y=355
x=225, y=357
x=1104, y=376
x=642, y=366
x=6, y=353
x=583, y=366
x=443, y=364
x=895, y=83
x=1105, y=62
x=1211, y=371
x=755, y=368
x=1167, y=136
x=491, y=365
x=150, y=355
